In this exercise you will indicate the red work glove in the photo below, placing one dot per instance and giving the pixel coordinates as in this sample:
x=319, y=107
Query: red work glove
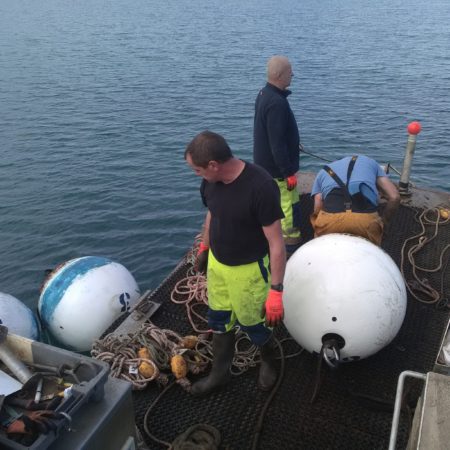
x=201, y=261
x=273, y=308
x=291, y=182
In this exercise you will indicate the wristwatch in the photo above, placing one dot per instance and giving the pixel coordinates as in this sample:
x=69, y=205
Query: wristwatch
x=277, y=287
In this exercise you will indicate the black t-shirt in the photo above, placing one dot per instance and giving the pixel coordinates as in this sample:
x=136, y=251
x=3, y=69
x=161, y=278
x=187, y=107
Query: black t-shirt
x=239, y=210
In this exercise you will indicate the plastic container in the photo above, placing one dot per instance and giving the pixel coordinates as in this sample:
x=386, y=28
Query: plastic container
x=86, y=375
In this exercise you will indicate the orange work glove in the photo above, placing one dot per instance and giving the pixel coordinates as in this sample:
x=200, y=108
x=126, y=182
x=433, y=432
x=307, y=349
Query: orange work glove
x=201, y=261
x=35, y=422
x=291, y=182
x=273, y=308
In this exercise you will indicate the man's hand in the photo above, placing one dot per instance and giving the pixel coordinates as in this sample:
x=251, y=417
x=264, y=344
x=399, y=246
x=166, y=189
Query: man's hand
x=291, y=182
x=201, y=261
x=273, y=308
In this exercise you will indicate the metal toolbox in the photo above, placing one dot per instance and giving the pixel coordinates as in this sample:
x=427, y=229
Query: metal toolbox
x=86, y=376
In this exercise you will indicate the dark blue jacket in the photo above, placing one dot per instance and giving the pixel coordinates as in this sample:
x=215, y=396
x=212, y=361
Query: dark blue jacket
x=275, y=133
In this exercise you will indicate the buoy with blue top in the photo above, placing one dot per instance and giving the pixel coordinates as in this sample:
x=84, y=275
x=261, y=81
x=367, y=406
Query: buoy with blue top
x=82, y=297
x=18, y=317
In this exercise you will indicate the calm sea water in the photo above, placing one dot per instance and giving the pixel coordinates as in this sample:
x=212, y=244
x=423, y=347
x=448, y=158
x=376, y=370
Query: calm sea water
x=98, y=100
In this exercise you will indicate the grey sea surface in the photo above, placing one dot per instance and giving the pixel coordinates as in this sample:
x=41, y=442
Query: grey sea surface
x=98, y=100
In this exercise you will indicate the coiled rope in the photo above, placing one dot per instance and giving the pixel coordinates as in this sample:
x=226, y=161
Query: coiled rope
x=121, y=353
x=192, y=291
x=431, y=217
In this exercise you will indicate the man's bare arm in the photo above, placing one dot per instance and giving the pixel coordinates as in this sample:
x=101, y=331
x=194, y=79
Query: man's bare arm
x=317, y=203
x=274, y=236
x=389, y=191
x=205, y=229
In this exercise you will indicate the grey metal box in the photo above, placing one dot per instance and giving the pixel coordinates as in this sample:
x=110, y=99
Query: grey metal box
x=88, y=382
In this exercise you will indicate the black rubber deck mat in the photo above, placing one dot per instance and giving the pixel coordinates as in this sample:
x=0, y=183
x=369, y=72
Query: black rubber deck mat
x=354, y=405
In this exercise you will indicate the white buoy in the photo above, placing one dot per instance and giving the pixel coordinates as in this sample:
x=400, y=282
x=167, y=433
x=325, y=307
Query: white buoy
x=83, y=297
x=343, y=287
x=18, y=317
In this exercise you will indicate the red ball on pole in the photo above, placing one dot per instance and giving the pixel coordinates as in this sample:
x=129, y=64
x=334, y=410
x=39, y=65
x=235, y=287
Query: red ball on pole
x=414, y=128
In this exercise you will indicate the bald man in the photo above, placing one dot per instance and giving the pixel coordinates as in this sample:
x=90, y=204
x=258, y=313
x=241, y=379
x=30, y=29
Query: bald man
x=276, y=143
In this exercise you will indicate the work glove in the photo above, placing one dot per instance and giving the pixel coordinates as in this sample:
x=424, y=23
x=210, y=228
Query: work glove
x=291, y=182
x=30, y=422
x=201, y=261
x=273, y=308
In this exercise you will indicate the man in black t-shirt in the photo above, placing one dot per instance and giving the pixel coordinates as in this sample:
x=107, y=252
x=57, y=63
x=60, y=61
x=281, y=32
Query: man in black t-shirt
x=242, y=227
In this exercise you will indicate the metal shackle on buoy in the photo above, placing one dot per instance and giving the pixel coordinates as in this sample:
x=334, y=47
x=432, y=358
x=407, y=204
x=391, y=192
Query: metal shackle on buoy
x=404, y=185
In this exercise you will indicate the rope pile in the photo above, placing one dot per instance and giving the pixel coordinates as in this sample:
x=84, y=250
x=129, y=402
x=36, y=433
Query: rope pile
x=192, y=292
x=151, y=354
x=431, y=217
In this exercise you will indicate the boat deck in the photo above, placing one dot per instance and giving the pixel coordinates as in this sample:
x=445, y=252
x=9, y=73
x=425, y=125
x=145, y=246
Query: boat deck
x=353, y=406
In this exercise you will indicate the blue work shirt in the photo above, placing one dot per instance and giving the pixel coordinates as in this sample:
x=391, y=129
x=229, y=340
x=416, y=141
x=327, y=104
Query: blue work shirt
x=363, y=178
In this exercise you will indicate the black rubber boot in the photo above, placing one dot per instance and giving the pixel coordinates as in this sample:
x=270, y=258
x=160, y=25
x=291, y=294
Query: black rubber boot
x=291, y=249
x=223, y=352
x=268, y=372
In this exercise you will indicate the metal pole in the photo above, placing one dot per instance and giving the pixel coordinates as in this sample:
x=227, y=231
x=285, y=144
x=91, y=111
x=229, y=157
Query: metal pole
x=17, y=367
x=413, y=131
x=398, y=403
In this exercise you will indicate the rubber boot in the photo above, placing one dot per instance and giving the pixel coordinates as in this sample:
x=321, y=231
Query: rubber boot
x=291, y=249
x=268, y=372
x=223, y=352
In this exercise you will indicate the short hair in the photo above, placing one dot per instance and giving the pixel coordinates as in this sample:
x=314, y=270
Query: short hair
x=208, y=146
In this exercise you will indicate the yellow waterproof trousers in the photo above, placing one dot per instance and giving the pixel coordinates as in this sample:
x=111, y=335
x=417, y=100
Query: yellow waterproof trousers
x=236, y=295
x=290, y=204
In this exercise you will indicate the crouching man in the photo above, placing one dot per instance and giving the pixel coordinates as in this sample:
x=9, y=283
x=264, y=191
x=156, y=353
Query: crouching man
x=346, y=198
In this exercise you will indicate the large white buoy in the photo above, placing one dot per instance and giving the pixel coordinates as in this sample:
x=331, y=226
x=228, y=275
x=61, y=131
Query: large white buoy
x=18, y=317
x=83, y=297
x=345, y=288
